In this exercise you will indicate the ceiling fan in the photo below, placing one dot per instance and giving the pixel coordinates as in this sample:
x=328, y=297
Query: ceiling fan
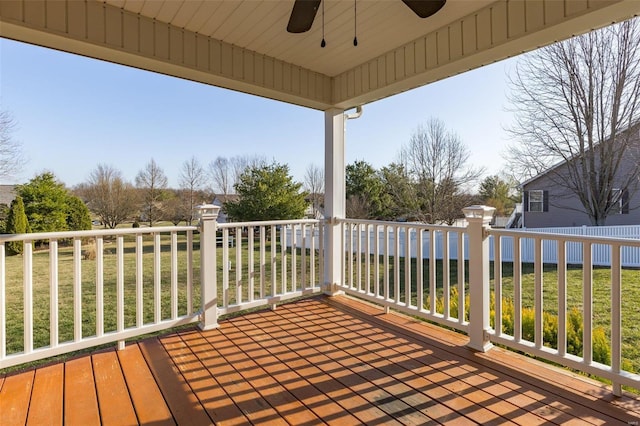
x=304, y=12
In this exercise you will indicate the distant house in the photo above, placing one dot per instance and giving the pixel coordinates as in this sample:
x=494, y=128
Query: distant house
x=547, y=203
x=7, y=194
x=219, y=201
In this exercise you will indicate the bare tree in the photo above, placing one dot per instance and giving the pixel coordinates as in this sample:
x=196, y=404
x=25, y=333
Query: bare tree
x=192, y=179
x=225, y=172
x=577, y=106
x=152, y=182
x=220, y=175
x=11, y=155
x=437, y=162
x=314, y=185
x=108, y=195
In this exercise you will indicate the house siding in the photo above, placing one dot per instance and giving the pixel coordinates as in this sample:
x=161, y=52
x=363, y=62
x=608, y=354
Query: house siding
x=564, y=208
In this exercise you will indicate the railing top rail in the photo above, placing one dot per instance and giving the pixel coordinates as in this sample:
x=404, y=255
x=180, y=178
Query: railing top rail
x=93, y=233
x=409, y=224
x=565, y=237
x=268, y=223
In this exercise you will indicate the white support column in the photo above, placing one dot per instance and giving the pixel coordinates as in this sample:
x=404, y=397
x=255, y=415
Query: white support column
x=208, y=214
x=479, y=291
x=334, y=173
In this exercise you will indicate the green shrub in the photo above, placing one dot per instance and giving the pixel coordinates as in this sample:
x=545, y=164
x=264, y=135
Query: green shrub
x=600, y=342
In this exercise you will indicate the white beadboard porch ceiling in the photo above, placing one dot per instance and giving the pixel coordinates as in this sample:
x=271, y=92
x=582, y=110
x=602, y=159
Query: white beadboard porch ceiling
x=243, y=45
x=260, y=26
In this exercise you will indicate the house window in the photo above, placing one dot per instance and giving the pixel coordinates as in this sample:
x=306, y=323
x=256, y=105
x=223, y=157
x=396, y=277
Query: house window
x=536, y=200
x=617, y=199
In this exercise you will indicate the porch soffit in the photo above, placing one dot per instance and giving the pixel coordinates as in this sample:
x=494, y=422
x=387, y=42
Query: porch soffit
x=243, y=44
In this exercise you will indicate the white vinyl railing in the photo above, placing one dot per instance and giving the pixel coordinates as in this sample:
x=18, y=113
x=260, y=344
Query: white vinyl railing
x=380, y=266
x=550, y=295
x=268, y=262
x=413, y=268
x=95, y=289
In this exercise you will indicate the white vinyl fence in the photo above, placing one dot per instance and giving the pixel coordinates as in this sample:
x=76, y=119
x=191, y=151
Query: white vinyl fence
x=601, y=253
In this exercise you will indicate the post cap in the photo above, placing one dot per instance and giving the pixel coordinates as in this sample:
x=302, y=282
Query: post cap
x=479, y=212
x=208, y=211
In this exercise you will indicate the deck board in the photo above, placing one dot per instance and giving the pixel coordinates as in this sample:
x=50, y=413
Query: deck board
x=46, y=398
x=14, y=398
x=80, y=399
x=148, y=403
x=112, y=390
x=315, y=361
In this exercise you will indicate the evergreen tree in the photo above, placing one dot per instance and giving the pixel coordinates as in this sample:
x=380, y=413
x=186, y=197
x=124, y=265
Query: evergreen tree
x=78, y=216
x=16, y=224
x=45, y=203
x=267, y=192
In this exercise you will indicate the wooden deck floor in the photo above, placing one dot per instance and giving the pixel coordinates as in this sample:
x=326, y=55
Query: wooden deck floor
x=315, y=361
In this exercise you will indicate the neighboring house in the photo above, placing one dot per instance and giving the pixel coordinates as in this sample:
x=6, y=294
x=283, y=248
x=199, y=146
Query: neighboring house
x=219, y=201
x=7, y=194
x=546, y=203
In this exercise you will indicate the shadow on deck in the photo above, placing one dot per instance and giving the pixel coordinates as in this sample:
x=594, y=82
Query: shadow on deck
x=315, y=361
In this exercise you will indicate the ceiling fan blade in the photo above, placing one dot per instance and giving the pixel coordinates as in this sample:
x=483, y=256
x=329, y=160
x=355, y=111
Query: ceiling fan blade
x=302, y=15
x=425, y=8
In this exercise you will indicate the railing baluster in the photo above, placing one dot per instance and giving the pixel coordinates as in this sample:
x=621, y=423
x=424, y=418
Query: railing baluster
x=359, y=258
x=312, y=257
x=139, y=281
x=616, y=316
x=99, y=286
x=538, y=302
x=250, y=254
x=446, y=282
x=283, y=257
x=274, y=261
x=407, y=266
x=396, y=265
x=53, y=293
x=190, y=264
x=587, y=297
x=376, y=260
x=239, y=289
x=303, y=260
x=350, y=252
x=420, y=269
x=497, y=283
x=174, y=275
x=433, y=296
x=77, y=289
x=225, y=267
x=294, y=258
x=517, y=290
x=367, y=259
x=386, y=262
x=120, y=288
x=562, y=298
x=27, y=257
x=157, y=278
x=263, y=277
x=462, y=299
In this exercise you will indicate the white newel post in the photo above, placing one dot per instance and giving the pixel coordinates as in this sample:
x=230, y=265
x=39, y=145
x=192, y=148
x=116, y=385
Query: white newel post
x=208, y=214
x=334, y=166
x=479, y=309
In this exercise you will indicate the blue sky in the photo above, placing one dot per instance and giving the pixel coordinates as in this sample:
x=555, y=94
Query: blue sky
x=73, y=113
